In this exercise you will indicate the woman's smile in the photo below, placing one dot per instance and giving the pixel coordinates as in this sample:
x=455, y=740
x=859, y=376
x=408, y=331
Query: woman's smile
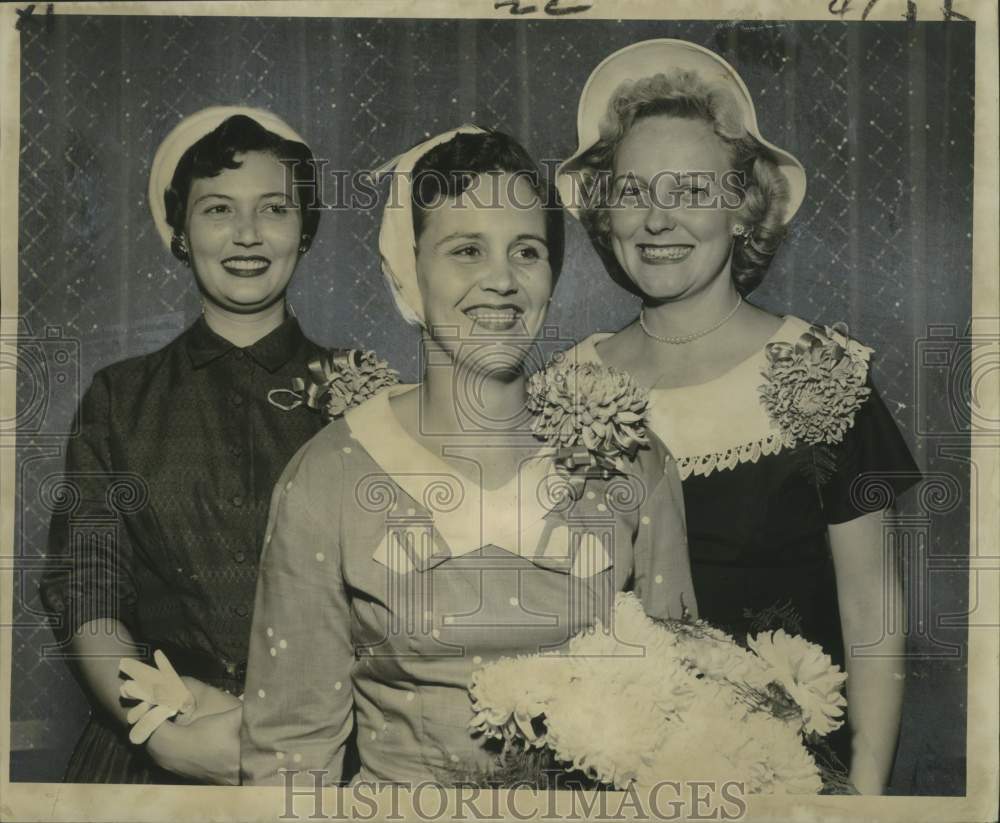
x=499, y=317
x=656, y=254
x=246, y=266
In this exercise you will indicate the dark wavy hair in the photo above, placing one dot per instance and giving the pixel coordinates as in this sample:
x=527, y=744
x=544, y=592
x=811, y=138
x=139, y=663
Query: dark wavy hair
x=763, y=193
x=216, y=152
x=450, y=168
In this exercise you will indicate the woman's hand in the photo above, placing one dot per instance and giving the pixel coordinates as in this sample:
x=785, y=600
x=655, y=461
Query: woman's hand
x=207, y=749
x=867, y=774
x=208, y=700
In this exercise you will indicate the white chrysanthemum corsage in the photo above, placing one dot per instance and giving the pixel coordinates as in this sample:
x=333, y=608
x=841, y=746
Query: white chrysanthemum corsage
x=595, y=416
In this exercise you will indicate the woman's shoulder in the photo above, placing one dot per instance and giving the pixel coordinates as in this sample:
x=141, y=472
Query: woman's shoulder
x=794, y=328
x=141, y=363
x=120, y=380
x=831, y=355
x=584, y=351
x=351, y=435
x=330, y=445
x=655, y=459
x=325, y=462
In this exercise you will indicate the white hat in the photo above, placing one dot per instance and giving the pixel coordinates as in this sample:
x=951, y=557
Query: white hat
x=652, y=57
x=397, y=244
x=184, y=135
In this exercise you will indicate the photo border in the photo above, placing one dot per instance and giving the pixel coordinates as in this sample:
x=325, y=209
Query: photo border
x=52, y=801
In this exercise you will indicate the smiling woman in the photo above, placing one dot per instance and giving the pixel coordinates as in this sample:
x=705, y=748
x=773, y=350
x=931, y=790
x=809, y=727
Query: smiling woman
x=772, y=418
x=428, y=532
x=232, y=209
x=192, y=422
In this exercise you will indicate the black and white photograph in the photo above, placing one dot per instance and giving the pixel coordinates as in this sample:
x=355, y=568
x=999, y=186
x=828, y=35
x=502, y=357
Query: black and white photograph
x=499, y=410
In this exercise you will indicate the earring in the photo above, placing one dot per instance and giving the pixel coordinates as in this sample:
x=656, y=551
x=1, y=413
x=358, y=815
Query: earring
x=178, y=245
x=740, y=230
x=305, y=243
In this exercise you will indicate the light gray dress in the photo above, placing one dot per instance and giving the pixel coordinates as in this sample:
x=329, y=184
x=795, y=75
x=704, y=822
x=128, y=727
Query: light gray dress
x=387, y=578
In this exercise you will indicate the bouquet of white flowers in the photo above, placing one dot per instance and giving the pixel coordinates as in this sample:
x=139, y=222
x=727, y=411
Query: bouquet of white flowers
x=642, y=701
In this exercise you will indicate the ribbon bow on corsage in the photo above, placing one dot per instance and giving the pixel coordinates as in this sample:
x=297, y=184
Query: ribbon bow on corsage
x=160, y=692
x=343, y=379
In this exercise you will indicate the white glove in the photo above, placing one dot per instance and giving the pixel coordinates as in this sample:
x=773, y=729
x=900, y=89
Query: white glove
x=160, y=692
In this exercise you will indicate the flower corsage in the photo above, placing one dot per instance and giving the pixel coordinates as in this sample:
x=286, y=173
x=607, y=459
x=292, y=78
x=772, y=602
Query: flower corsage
x=815, y=385
x=337, y=382
x=813, y=388
x=593, y=415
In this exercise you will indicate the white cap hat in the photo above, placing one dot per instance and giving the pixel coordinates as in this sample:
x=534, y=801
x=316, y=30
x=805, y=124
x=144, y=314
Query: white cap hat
x=397, y=244
x=184, y=135
x=648, y=58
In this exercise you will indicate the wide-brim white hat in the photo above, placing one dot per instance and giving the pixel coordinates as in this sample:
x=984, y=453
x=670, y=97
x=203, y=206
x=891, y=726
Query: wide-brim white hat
x=184, y=135
x=648, y=58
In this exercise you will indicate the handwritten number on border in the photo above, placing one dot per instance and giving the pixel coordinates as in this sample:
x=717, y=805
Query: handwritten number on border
x=840, y=8
x=515, y=6
x=552, y=7
x=26, y=15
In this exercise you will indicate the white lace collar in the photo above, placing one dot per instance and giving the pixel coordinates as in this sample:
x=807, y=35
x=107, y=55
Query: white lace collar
x=466, y=515
x=715, y=425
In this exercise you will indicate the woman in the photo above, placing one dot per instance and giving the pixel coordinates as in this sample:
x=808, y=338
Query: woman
x=190, y=431
x=771, y=420
x=427, y=532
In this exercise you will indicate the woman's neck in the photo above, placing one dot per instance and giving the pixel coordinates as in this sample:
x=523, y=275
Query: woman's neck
x=694, y=313
x=244, y=330
x=456, y=401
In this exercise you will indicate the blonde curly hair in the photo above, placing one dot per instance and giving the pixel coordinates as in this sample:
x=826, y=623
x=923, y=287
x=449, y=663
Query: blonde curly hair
x=680, y=93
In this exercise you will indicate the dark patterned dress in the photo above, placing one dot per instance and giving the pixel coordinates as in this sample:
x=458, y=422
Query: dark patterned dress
x=758, y=506
x=182, y=446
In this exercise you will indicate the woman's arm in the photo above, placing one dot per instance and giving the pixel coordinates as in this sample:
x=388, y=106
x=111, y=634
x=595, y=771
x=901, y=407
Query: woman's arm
x=870, y=598
x=662, y=563
x=98, y=645
x=205, y=747
x=92, y=596
x=298, y=707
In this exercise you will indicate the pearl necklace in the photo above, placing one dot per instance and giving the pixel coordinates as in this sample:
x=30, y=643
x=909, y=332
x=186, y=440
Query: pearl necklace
x=687, y=338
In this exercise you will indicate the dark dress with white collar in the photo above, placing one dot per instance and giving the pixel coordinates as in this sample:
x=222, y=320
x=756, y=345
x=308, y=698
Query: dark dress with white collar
x=171, y=475
x=758, y=505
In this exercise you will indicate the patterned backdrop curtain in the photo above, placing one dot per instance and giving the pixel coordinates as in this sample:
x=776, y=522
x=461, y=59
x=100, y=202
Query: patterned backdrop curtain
x=880, y=114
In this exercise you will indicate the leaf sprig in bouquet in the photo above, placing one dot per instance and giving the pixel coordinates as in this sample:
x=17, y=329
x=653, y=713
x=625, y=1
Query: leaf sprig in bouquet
x=644, y=701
